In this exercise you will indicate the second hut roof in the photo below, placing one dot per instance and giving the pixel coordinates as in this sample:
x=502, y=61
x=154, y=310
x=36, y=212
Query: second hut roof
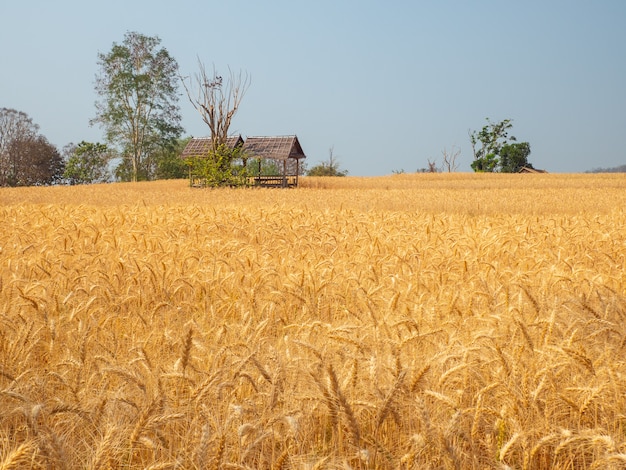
x=276, y=148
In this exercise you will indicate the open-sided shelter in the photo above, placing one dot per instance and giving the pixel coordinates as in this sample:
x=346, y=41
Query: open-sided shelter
x=285, y=152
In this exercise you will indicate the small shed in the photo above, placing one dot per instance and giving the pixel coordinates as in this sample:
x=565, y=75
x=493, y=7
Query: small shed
x=201, y=146
x=285, y=152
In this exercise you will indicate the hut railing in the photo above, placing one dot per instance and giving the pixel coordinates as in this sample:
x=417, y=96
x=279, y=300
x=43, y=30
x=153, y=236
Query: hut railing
x=274, y=181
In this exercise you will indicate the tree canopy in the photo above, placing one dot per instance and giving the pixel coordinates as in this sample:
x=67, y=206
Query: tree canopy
x=494, y=153
x=514, y=157
x=138, y=107
x=26, y=157
x=88, y=163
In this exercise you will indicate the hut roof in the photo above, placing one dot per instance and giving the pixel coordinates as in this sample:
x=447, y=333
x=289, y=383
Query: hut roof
x=527, y=169
x=276, y=148
x=200, y=146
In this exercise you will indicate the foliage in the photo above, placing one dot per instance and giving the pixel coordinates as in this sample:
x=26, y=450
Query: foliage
x=37, y=162
x=267, y=167
x=137, y=85
x=616, y=169
x=487, y=143
x=88, y=163
x=219, y=168
x=15, y=126
x=26, y=157
x=327, y=168
x=168, y=161
x=514, y=157
x=324, y=169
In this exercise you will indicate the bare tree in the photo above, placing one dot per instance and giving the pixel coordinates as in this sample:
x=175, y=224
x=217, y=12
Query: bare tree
x=450, y=158
x=432, y=166
x=15, y=126
x=36, y=162
x=217, y=100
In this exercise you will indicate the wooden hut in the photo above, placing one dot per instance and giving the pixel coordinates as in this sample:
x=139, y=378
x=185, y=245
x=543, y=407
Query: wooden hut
x=282, y=152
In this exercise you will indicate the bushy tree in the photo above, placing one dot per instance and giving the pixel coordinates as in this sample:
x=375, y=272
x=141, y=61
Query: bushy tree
x=514, y=157
x=169, y=163
x=36, y=162
x=14, y=126
x=217, y=168
x=494, y=153
x=138, y=87
x=487, y=143
x=26, y=157
x=327, y=168
x=88, y=163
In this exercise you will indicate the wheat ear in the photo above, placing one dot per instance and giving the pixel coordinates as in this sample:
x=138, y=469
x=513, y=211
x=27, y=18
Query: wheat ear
x=22, y=457
x=347, y=409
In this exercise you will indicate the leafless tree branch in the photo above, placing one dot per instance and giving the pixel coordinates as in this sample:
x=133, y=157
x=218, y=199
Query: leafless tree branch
x=216, y=99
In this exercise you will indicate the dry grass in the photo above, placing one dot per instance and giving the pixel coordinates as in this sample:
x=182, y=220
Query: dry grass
x=414, y=321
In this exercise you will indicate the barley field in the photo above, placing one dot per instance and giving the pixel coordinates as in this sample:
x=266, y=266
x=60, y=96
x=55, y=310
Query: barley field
x=447, y=321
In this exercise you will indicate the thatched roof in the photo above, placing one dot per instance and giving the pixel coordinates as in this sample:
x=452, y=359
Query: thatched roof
x=527, y=169
x=201, y=146
x=276, y=148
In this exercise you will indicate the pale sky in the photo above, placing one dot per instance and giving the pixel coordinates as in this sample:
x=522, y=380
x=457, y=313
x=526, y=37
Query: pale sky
x=386, y=84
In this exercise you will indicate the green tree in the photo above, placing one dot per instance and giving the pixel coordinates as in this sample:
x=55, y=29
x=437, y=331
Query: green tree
x=138, y=107
x=217, y=168
x=514, y=157
x=168, y=161
x=88, y=163
x=327, y=168
x=487, y=144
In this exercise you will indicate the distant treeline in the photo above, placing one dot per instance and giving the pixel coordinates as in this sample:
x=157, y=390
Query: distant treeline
x=617, y=169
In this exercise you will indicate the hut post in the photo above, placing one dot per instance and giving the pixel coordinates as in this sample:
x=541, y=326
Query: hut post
x=284, y=173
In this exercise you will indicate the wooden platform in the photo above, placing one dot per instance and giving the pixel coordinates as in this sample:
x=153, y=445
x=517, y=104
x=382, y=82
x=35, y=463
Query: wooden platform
x=275, y=181
x=256, y=181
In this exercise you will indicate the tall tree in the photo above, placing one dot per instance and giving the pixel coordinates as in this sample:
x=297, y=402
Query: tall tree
x=138, y=109
x=487, y=143
x=217, y=100
x=14, y=126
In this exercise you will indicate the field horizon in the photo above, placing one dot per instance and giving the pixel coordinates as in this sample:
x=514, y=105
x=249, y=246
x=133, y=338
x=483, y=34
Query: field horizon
x=408, y=321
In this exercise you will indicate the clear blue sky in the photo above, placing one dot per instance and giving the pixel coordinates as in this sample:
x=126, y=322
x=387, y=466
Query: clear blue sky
x=388, y=84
